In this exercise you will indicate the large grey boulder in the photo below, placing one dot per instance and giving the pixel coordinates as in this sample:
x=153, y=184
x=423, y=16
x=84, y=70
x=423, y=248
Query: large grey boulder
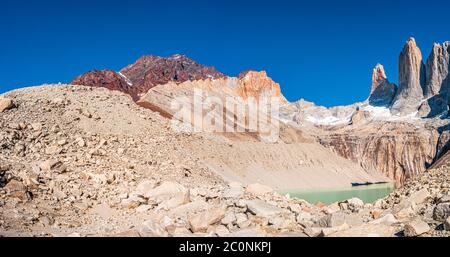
x=367, y=230
x=419, y=197
x=200, y=222
x=441, y=212
x=447, y=224
x=151, y=228
x=387, y=219
x=416, y=228
x=168, y=195
x=5, y=103
x=340, y=218
x=262, y=209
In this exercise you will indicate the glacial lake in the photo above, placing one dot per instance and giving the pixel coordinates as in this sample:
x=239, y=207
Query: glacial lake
x=368, y=194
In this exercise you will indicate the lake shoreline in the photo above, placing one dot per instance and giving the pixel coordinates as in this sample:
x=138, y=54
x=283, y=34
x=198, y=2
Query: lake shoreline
x=368, y=193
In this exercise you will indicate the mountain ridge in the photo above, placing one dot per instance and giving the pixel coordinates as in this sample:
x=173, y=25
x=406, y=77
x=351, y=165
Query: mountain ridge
x=148, y=71
x=415, y=110
x=418, y=81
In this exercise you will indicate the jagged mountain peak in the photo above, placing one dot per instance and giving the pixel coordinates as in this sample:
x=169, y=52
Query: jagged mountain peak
x=411, y=45
x=411, y=80
x=378, y=75
x=258, y=84
x=147, y=72
x=173, y=58
x=411, y=42
x=422, y=89
x=444, y=45
x=250, y=72
x=382, y=91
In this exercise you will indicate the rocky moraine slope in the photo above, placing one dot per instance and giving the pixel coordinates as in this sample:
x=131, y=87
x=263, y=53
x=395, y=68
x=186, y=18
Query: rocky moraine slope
x=82, y=161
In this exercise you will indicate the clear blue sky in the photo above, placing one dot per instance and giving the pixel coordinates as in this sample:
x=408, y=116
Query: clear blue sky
x=323, y=51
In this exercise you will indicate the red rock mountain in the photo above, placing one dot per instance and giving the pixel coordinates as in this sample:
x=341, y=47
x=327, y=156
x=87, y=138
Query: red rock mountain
x=148, y=71
x=103, y=78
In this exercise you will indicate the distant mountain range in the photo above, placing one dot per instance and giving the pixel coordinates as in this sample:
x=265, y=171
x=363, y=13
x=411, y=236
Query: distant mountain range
x=400, y=130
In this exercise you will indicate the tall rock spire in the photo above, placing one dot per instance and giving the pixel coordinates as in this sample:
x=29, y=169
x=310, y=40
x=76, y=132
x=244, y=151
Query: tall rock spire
x=437, y=68
x=382, y=92
x=437, y=81
x=411, y=80
x=378, y=76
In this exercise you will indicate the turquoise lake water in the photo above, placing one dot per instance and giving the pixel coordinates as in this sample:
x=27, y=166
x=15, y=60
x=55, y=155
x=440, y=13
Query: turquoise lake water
x=368, y=194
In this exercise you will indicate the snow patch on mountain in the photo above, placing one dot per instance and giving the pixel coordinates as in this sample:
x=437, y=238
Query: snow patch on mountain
x=126, y=79
x=378, y=112
x=329, y=120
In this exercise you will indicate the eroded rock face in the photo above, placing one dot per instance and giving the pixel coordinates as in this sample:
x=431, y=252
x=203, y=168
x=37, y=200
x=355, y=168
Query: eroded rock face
x=382, y=92
x=257, y=84
x=437, y=81
x=437, y=70
x=231, y=91
x=411, y=80
x=399, y=151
